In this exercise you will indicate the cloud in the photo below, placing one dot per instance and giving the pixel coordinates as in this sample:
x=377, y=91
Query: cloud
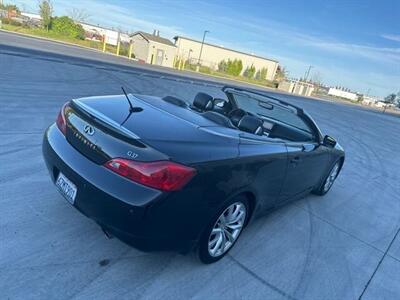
x=391, y=37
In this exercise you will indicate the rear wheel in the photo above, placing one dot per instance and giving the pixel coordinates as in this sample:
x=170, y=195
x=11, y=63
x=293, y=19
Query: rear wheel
x=329, y=180
x=224, y=231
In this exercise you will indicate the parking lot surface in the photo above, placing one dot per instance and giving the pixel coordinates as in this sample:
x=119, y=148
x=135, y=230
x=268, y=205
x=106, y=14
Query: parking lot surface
x=341, y=246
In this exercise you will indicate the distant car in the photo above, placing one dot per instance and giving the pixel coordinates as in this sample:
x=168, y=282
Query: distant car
x=160, y=173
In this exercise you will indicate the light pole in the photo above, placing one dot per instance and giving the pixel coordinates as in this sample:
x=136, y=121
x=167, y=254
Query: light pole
x=190, y=51
x=201, y=49
x=308, y=73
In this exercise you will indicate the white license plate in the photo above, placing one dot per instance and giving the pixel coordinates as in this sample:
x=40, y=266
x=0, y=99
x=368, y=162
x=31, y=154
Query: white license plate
x=66, y=187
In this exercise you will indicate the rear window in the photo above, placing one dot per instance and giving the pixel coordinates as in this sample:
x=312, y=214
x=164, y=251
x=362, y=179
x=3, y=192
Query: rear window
x=271, y=111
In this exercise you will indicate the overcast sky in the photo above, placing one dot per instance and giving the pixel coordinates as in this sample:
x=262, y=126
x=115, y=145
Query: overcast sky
x=352, y=43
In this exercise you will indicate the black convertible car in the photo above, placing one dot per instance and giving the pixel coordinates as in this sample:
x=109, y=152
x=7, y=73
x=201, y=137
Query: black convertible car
x=162, y=173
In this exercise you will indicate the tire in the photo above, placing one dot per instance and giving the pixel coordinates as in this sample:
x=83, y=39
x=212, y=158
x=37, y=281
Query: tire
x=224, y=230
x=329, y=180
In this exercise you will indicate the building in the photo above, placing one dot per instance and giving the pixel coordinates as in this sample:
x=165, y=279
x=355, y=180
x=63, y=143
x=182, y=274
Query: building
x=297, y=87
x=212, y=55
x=346, y=94
x=97, y=33
x=153, y=49
x=31, y=16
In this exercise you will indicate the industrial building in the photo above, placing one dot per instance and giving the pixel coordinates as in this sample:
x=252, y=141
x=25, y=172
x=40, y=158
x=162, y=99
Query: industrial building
x=97, y=33
x=297, y=87
x=212, y=55
x=343, y=94
x=153, y=49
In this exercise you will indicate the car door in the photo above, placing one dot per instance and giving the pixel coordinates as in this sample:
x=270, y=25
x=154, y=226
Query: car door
x=263, y=163
x=306, y=161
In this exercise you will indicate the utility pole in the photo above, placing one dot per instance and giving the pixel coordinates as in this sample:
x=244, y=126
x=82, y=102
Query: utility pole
x=308, y=72
x=201, y=49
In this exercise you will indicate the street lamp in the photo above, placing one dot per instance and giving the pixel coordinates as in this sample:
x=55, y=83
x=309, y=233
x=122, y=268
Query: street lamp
x=190, y=51
x=201, y=49
x=307, y=73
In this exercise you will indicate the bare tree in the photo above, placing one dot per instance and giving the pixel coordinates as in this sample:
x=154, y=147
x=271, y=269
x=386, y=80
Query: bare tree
x=46, y=11
x=281, y=73
x=78, y=15
x=317, y=78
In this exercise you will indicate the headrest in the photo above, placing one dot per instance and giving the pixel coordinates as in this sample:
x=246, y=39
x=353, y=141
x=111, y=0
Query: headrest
x=203, y=102
x=236, y=115
x=251, y=124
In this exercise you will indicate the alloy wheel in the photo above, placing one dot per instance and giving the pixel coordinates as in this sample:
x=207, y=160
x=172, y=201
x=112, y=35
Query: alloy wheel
x=331, y=177
x=227, y=229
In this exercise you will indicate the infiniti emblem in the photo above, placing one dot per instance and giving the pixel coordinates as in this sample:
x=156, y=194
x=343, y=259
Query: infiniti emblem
x=88, y=129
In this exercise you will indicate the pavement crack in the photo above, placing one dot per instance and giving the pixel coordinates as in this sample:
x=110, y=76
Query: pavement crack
x=378, y=265
x=264, y=282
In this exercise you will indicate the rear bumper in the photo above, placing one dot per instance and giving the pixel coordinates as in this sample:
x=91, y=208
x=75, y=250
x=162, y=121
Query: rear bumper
x=128, y=210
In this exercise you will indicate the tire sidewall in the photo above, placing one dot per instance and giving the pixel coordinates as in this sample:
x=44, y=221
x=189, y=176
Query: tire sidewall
x=321, y=190
x=204, y=256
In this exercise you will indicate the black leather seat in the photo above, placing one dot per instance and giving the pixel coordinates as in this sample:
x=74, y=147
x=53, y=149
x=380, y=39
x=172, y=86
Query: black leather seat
x=236, y=115
x=203, y=102
x=251, y=124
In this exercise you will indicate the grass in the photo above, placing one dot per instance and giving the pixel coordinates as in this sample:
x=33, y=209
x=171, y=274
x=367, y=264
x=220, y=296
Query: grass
x=40, y=32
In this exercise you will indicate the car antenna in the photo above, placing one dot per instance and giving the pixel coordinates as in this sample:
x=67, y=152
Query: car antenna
x=132, y=109
x=127, y=98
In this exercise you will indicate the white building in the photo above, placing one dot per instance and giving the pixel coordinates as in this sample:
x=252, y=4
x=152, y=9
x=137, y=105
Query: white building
x=153, y=49
x=212, y=55
x=343, y=94
x=31, y=16
x=111, y=35
x=297, y=87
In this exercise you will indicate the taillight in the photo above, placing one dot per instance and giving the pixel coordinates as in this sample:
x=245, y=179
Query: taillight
x=161, y=175
x=61, y=121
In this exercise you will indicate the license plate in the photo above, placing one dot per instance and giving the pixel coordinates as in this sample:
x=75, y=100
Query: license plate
x=66, y=187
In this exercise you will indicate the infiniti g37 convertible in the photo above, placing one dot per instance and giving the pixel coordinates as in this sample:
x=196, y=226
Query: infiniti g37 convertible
x=168, y=174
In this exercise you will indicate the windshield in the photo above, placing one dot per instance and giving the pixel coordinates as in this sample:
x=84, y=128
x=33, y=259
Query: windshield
x=270, y=110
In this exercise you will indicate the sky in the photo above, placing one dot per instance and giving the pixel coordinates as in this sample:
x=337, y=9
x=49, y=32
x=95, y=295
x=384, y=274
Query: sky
x=349, y=43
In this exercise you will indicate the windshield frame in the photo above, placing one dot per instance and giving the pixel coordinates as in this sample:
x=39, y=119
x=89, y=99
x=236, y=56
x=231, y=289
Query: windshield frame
x=271, y=100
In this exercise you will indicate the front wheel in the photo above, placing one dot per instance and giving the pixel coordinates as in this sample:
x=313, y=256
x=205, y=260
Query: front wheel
x=329, y=180
x=224, y=231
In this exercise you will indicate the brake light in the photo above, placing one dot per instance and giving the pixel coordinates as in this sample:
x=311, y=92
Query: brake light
x=61, y=121
x=161, y=175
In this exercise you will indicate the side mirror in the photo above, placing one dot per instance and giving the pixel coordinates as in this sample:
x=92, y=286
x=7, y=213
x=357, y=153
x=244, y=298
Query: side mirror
x=329, y=141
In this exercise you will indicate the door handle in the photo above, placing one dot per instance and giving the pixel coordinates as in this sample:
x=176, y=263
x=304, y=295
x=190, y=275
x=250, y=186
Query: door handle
x=295, y=160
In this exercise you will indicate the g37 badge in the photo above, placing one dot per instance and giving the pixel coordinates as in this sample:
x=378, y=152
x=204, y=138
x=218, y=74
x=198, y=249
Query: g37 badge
x=132, y=154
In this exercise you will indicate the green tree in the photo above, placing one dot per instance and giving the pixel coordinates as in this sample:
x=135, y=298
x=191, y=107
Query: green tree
x=234, y=67
x=222, y=66
x=261, y=74
x=250, y=72
x=46, y=11
x=10, y=7
x=67, y=27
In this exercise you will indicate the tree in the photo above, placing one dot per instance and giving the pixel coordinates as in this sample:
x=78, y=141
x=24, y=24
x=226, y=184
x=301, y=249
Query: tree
x=78, y=15
x=250, y=72
x=46, y=11
x=234, y=67
x=222, y=66
x=281, y=73
x=67, y=27
x=389, y=99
